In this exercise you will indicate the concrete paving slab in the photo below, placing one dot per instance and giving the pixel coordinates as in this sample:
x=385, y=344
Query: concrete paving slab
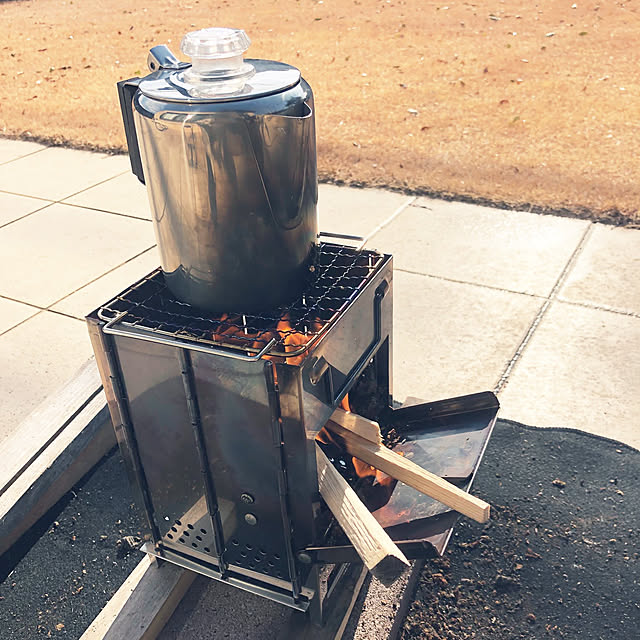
x=123, y=194
x=37, y=357
x=53, y=252
x=13, y=149
x=86, y=299
x=56, y=173
x=13, y=313
x=580, y=370
x=13, y=207
x=607, y=271
x=451, y=339
x=511, y=250
x=355, y=211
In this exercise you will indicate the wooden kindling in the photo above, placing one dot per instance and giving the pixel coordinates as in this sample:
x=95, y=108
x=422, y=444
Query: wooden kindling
x=361, y=441
x=368, y=429
x=378, y=552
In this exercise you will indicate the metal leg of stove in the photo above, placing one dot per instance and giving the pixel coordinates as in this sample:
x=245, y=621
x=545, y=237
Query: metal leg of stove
x=316, y=608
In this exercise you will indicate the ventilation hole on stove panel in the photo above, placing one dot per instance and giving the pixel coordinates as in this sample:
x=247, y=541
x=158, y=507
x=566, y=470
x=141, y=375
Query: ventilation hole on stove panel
x=235, y=542
x=252, y=565
x=194, y=545
x=185, y=533
x=190, y=526
x=279, y=574
x=270, y=563
x=174, y=530
x=265, y=570
x=276, y=556
x=181, y=540
x=169, y=536
x=243, y=554
x=203, y=531
x=199, y=538
x=179, y=523
x=207, y=549
x=249, y=547
x=257, y=559
x=262, y=552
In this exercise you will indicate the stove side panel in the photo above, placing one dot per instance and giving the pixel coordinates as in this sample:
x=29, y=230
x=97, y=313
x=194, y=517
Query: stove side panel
x=164, y=439
x=243, y=436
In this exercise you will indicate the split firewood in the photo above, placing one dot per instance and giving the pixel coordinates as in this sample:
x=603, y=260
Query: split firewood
x=378, y=552
x=368, y=429
x=369, y=450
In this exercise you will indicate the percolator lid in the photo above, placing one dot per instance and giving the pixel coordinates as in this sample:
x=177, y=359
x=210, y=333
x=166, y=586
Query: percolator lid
x=218, y=71
x=215, y=42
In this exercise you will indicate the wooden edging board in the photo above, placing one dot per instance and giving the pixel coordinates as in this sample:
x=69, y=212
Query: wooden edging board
x=51, y=450
x=143, y=604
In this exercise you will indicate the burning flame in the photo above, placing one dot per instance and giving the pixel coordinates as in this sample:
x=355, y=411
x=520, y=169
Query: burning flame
x=362, y=469
x=232, y=331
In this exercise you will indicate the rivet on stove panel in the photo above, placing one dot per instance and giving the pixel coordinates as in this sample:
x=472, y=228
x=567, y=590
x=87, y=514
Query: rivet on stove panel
x=251, y=519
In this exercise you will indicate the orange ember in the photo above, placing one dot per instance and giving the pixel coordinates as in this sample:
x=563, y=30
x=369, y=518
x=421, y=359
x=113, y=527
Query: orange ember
x=233, y=332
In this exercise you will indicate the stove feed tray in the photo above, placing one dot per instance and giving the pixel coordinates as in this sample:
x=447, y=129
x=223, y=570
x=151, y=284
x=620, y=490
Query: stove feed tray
x=448, y=438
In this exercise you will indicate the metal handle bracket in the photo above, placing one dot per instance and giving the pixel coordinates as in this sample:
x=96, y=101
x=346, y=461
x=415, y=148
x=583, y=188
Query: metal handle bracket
x=110, y=329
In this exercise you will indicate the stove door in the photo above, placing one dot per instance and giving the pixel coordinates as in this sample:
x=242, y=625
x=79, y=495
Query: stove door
x=448, y=438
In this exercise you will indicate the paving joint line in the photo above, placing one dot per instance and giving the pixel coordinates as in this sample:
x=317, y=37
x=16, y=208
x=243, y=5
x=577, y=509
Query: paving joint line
x=473, y=284
x=388, y=220
x=97, y=184
x=586, y=305
x=39, y=308
x=24, y=195
x=26, y=215
x=102, y=275
x=599, y=307
x=115, y=213
x=504, y=378
x=65, y=315
x=28, y=304
x=26, y=155
x=62, y=201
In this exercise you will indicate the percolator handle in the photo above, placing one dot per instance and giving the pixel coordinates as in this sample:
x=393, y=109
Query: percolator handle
x=126, y=90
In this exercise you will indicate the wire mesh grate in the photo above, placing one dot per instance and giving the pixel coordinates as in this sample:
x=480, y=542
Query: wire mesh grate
x=338, y=274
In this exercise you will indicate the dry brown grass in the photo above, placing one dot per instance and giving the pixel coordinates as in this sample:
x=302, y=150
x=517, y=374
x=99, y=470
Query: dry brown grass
x=506, y=111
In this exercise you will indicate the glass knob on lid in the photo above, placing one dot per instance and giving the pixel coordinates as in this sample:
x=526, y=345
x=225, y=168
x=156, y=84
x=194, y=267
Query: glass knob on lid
x=217, y=61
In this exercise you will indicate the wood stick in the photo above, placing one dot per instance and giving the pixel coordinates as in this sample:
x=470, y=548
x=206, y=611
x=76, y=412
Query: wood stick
x=378, y=552
x=368, y=429
x=143, y=604
x=411, y=474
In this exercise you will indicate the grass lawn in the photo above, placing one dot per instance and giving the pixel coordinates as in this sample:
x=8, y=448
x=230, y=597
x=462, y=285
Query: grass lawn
x=535, y=105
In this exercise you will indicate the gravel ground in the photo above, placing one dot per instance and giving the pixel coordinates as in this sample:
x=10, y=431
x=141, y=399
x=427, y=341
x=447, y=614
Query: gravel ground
x=63, y=581
x=559, y=558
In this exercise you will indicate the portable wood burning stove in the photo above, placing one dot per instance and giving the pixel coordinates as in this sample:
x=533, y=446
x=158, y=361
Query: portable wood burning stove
x=217, y=418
